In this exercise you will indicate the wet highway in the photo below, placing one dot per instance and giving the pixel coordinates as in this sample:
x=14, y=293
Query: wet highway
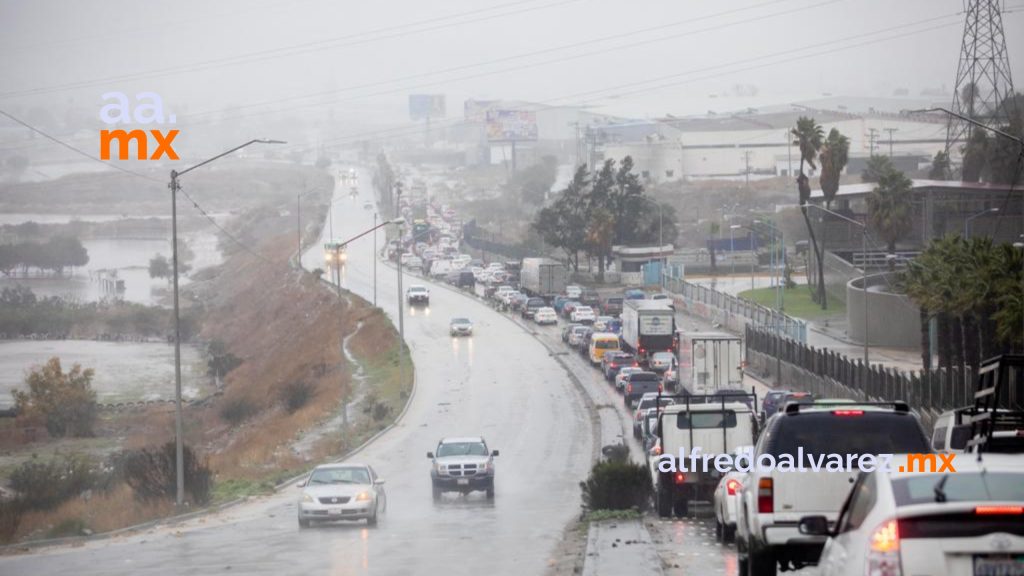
x=501, y=383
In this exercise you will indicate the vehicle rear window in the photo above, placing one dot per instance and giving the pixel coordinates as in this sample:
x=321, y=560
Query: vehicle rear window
x=960, y=487
x=615, y=300
x=606, y=344
x=828, y=433
x=706, y=419
x=637, y=377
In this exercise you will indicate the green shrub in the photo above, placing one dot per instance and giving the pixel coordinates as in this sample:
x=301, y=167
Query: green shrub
x=151, y=474
x=616, y=485
x=11, y=512
x=45, y=485
x=68, y=527
x=237, y=410
x=297, y=394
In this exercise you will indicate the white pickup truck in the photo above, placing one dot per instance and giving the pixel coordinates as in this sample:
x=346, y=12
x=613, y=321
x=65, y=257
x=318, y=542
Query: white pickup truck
x=813, y=435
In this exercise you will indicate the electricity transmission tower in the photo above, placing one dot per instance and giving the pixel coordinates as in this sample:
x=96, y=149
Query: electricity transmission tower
x=983, y=81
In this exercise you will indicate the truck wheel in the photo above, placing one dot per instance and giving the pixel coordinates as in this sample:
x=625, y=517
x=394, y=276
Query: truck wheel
x=436, y=493
x=728, y=533
x=303, y=523
x=490, y=491
x=664, y=504
x=718, y=531
x=682, y=507
x=761, y=563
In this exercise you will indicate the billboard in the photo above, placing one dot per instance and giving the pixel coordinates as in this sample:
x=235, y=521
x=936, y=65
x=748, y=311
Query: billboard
x=511, y=125
x=424, y=106
x=476, y=110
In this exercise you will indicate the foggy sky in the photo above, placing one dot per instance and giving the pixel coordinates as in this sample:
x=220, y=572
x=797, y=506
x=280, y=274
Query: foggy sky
x=46, y=45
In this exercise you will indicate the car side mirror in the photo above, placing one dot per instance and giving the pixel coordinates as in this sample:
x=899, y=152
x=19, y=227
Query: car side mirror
x=814, y=526
x=430, y=455
x=378, y=482
x=494, y=453
x=301, y=484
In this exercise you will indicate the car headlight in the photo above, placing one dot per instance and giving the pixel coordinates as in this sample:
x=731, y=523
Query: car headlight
x=362, y=497
x=307, y=498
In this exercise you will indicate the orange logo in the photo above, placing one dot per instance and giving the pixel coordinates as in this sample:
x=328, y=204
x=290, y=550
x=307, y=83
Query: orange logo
x=148, y=109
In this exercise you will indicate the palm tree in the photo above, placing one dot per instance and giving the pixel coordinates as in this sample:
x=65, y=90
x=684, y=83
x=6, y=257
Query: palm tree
x=835, y=153
x=808, y=138
x=889, y=208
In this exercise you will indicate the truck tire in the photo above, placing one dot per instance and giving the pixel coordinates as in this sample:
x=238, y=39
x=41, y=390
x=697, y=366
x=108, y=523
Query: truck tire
x=728, y=533
x=436, y=493
x=682, y=507
x=303, y=523
x=490, y=491
x=664, y=503
x=718, y=531
x=761, y=563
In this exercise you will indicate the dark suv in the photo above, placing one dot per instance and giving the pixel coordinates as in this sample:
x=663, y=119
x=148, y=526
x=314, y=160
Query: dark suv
x=638, y=384
x=591, y=298
x=612, y=306
x=613, y=361
x=531, y=306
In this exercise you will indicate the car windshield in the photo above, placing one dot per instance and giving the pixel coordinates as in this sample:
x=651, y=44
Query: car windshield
x=460, y=321
x=662, y=357
x=461, y=449
x=347, y=475
x=959, y=487
x=865, y=433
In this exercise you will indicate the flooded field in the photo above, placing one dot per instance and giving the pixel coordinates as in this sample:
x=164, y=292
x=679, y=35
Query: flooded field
x=125, y=371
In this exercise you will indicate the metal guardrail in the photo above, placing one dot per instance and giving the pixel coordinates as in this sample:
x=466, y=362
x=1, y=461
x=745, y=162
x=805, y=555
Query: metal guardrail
x=731, y=311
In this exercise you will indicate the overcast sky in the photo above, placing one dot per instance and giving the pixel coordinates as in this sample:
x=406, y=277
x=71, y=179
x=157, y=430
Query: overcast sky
x=642, y=58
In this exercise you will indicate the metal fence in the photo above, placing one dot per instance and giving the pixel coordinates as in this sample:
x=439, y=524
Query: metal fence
x=732, y=312
x=829, y=374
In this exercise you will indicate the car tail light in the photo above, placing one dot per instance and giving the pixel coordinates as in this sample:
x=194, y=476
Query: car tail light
x=884, y=551
x=765, y=496
x=679, y=477
x=999, y=510
x=848, y=412
x=732, y=486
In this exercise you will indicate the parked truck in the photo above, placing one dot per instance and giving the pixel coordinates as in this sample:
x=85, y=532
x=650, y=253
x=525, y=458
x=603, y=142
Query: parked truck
x=542, y=277
x=709, y=361
x=648, y=326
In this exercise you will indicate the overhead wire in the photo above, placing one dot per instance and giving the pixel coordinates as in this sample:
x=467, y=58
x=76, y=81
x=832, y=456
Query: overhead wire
x=295, y=49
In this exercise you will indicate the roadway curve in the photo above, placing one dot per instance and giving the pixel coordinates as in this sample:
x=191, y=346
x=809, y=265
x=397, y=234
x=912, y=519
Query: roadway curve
x=501, y=383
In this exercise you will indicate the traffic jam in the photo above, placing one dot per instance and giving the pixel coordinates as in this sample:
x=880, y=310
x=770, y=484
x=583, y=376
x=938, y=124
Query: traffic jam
x=685, y=394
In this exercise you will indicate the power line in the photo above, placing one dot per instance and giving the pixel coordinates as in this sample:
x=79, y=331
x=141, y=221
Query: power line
x=139, y=175
x=598, y=40
x=223, y=231
x=296, y=49
x=76, y=150
x=398, y=131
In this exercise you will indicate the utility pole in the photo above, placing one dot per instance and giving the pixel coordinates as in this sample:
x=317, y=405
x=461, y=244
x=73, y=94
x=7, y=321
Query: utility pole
x=872, y=134
x=890, y=131
x=789, y=155
x=179, y=444
x=375, y=258
x=746, y=161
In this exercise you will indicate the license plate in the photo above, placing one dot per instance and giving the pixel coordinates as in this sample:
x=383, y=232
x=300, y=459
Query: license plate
x=999, y=565
x=334, y=512
x=462, y=481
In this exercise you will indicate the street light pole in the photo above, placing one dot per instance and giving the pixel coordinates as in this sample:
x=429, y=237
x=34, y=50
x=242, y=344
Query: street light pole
x=967, y=222
x=864, y=271
x=375, y=258
x=179, y=441
x=732, y=251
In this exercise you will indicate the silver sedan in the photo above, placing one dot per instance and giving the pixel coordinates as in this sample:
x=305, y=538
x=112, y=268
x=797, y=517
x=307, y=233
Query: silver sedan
x=341, y=492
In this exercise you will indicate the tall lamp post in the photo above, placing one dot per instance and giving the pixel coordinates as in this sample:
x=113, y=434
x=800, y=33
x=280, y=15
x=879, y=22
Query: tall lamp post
x=967, y=222
x=179, y=443
x=754, y=261
x=864, y=271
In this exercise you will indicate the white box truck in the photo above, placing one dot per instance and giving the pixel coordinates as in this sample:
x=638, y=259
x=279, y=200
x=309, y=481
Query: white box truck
x=709, y=361
x=648, y=326
x=542, y=277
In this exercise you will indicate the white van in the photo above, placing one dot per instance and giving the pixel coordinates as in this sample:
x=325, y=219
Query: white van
x=440, y=268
